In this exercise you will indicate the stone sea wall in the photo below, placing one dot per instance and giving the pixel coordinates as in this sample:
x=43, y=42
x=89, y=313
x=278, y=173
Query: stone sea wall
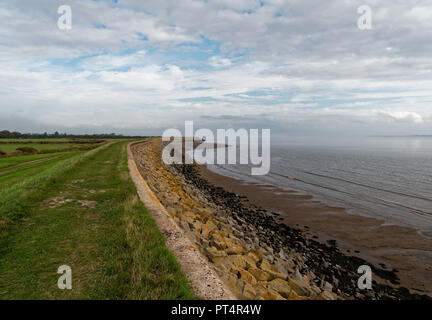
x=255, y=256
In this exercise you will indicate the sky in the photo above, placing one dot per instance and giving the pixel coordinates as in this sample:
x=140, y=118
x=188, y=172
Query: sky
x=297, y=67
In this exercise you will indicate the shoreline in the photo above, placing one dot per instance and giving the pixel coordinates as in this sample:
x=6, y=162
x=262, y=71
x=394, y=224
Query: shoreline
x=354, y=234
x=257, y=257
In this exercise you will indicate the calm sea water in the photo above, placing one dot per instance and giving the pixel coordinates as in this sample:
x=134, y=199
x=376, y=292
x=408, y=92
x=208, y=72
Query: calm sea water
x=386, y=177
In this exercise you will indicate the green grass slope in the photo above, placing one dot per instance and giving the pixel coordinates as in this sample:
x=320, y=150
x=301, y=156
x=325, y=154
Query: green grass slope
x=83, y=211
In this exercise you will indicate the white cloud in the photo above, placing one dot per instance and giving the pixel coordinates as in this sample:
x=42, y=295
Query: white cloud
x=220, y=62
x=110, y=61
x=281, y=62
x=404, y=116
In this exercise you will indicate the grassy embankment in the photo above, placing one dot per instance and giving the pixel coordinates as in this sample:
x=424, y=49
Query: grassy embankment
x=12, y=147
x=81, y=210
x=15, y=169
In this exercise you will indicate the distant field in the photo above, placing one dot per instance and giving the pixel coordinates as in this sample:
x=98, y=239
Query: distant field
x=47, y=140
x=10, y=146
x=36, y=140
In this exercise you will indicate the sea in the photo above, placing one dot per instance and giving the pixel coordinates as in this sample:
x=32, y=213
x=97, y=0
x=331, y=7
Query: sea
x=385, y=177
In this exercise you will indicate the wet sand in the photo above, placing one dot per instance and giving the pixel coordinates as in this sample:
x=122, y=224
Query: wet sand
x=390, y=246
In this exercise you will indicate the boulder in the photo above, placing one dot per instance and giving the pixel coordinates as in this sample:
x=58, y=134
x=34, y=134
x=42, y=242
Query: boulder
x=326, y=295
x=270, y=269
x=217, y=240
x=271, y=295
x=294, y=296
x=212, y=253
x=300, y=288
x=249, y=292
x=232, y=262
x=280, y=286
x=247, y=276
x=260, y=275
x=207, y=228
x=234, y=249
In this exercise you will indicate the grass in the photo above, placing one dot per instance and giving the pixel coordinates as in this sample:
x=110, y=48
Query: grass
x=18, y=140
x=11, y=147
x=9, y=162
x=83, y=211
x=12, y=174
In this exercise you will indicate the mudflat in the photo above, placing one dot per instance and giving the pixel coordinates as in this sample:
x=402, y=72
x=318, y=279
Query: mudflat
x=390, y=246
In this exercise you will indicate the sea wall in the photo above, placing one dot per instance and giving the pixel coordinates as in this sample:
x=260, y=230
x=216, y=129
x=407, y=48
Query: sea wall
x=255, y=257
x=197, y=268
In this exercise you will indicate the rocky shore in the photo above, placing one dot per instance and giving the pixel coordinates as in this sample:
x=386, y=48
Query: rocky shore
x=257, y=257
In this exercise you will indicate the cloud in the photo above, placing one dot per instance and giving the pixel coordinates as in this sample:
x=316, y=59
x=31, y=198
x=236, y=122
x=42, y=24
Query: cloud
x=220, y=62
x=294, y=65
x=410, y=117
x=113, y=61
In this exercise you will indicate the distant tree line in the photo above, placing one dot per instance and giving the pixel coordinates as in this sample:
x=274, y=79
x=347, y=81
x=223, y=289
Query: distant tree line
x=5, y=134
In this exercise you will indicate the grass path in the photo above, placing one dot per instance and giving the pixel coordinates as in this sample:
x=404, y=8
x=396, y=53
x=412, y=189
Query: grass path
x=16, y=173
x=11, y=162
x=90, y=219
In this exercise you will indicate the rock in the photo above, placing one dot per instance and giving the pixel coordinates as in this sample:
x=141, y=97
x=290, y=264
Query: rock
x=196, y=226
x=272, y=270
x=238, y=233
x=266, y=266
x=234, y=249
x=184, y=225
x=221, y=270
x=249, y=292
x=260, y=275
x=327, y=286
x=272, y=295
x=280, y=286
x=326, y=295
x=282, y=254
x=232, y=262
x=269, y=250
x=217, y=240
x=255, y=256
x=294, y=296
x=204, y=243
x=359, y=295
x=299, y=287
x=335, y=282
x=207, y=228
x=212, y=253
x=247, y=276
x=236, y=285
x=269, y=258
x=282, y=269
